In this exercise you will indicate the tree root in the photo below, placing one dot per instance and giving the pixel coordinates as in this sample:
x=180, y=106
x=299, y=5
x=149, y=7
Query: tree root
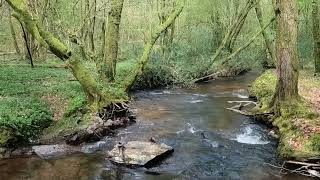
x=103, y=123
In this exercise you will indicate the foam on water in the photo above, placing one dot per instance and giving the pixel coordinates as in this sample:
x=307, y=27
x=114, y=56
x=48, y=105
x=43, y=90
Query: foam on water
x=195, y=101
x=241, y=93
x=213, y=144
x=200, y=95
x=192, y=129
x=248, y=137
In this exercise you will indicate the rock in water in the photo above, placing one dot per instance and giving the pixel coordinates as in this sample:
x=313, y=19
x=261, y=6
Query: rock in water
x=54, y=151
x=136, y=153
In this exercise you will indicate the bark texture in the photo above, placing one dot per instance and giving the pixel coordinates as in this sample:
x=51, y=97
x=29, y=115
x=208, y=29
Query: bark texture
x=287, y=53
x=108, y=68
x=316, y=34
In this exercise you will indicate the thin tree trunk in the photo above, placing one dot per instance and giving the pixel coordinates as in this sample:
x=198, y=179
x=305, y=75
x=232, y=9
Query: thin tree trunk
x=231, y=56
x=233, y=31
x=148, y=47
x=241, y=18
x=14, y=36
x=266, y=36
x=93, y=25
x=316, y=34
x=287, y=53
x=236, y=52
x=27, y=44
x=112, y=41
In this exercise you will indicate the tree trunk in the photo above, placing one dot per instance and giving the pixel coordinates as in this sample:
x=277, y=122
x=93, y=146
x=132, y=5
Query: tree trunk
x=48, y=41
x=128, y=83
x=93, y=25
x=14, y=36
x=233, y=31
x=287, y=53
x=111, y=42
x=316, y=34
x=266, y=37
x=27, y=44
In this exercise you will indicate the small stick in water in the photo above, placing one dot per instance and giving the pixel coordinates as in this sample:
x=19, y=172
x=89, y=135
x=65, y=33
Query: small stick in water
x=153, y=140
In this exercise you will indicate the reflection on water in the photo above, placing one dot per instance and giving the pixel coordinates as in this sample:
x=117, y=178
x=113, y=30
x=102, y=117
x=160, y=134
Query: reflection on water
x=210, y=142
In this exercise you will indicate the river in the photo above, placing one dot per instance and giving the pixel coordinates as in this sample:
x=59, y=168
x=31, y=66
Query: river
x=234, y=147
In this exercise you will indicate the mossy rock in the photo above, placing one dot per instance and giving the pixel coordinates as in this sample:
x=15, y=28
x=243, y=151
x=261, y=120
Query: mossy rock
x=5, y=137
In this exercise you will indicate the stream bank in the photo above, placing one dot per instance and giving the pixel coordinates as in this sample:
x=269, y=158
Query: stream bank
x=299, y=125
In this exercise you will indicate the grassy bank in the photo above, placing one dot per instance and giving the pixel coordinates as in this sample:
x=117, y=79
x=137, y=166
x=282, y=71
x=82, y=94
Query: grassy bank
x=31, y=99
x=299, y=125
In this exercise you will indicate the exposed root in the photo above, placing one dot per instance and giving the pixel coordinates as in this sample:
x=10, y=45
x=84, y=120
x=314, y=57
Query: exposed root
x=103, y=123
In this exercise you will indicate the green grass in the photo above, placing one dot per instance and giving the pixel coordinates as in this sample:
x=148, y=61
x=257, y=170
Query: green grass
x=29, y=99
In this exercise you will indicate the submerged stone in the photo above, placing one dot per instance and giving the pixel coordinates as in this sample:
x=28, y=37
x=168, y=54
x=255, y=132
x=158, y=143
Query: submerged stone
x=54, y=151
x=137, y=153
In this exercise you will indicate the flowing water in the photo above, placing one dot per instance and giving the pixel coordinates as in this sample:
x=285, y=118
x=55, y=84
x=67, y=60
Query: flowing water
x=210, y=142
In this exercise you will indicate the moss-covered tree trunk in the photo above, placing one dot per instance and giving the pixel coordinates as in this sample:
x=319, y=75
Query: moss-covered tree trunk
x=128, y=83
x=107, y=69
x=48, y=41
x=233, y=31
x=287, y=53
x=316, y=34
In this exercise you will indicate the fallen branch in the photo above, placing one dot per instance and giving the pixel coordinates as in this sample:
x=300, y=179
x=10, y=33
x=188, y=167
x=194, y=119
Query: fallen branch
x=241, y=104
x=306, y=169
x=303, y=163
x=206, y=78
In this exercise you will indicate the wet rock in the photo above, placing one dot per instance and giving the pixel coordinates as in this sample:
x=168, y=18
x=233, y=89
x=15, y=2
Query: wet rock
x=54, y=151
x=138, y=153
x=273, y=134
x=22, y=152
x=93, y=147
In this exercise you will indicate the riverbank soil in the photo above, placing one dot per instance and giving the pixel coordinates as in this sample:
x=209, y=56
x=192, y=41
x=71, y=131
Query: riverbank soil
x=299, y=123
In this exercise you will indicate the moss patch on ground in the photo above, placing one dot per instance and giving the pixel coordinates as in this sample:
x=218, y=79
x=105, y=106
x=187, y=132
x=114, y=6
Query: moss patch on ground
x=299, y=124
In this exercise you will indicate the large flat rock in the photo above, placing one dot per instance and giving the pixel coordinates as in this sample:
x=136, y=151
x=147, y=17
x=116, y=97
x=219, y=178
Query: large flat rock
x=136, y=153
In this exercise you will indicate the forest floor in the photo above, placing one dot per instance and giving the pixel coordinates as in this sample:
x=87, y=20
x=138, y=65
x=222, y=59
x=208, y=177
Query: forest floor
x=32, y=98
x=299, y=125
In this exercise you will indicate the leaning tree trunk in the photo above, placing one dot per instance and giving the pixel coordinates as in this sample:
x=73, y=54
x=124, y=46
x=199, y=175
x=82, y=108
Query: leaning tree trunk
x=108, y=67
x=129, y=82
x=233, y=32
x=287, y=53
x=316, y=34
x=266, y=37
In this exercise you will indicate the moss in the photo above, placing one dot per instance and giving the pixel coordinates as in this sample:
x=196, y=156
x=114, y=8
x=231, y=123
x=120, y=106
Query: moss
x=263, y=89
x=76, y=105
x=314, y=143
x=5, y=137
x=296, y=142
